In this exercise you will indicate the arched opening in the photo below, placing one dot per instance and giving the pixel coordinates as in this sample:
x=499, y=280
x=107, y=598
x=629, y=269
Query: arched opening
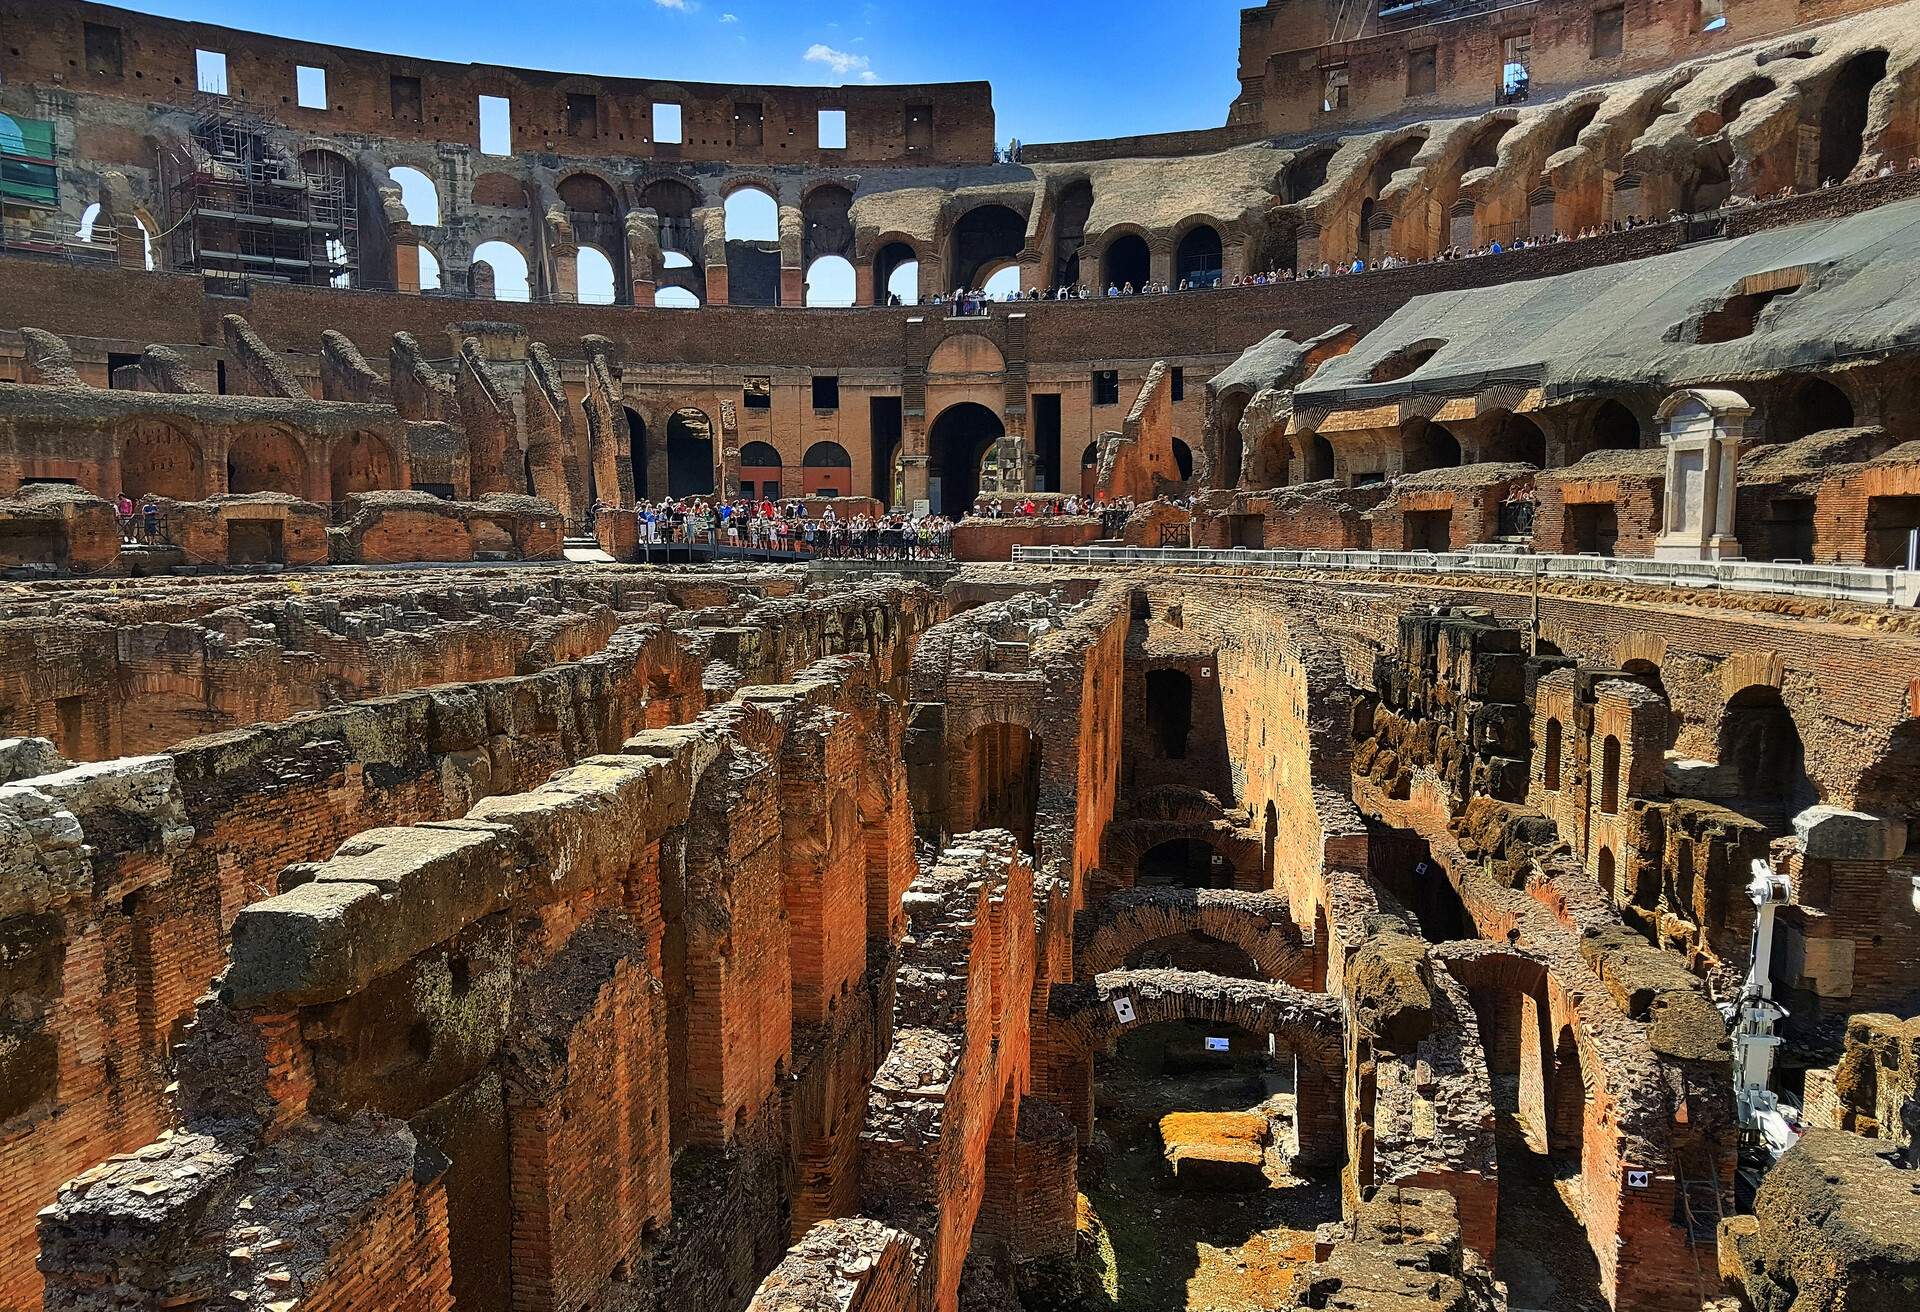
x=1426, y=445
x=1647, y=675
x=1199, y=260
x=827, y=470
x=994, y=783
x=1814, y=406
x=1003, y=284
x=160, y=460
x=1574, y=124
x=1183, y=459
x=1070, y=232
x=418, y=196
x=689, y=454
x=674, y=203
x=1232, y=456
x=1550, y=750
x=1603, y=871
x=89, y=217
x=1170, y=711
x=1320, y=464
x=1613, y=428
x=429, y=270
x=1761, y=750
x=753, y=247
x=1610, y=776
x=956, y=444
x=266, y=460
x=509, y=268
x=1517, y=438
x=637, y=451
x=1194, y=951
x=1484, y=153
x=762, y=472
x=1707, y=187
x=828, y=211
x=1304, y=174
x=335, y=184
x=984, y=236
x=1090, y=469
x=593, y=210
x=595, y=272
x=1843, y=115
x=752, y=215
x=896, y=275
x=830, y=282
x=360, y=462
x=1126, y=262
x=1269, y=841
x=1183, y=863
x=1741, y=96
x=676, y=298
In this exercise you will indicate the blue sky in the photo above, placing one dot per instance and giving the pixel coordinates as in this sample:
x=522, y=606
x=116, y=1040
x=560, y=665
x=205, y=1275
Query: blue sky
x=1061, y=69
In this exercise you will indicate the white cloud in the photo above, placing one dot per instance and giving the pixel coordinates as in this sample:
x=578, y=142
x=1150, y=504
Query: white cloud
x=729, y=18
x=843, y=63
x=684, y=6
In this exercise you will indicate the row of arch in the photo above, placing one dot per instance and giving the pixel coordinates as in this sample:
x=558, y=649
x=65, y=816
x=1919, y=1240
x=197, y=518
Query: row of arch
x=160, y=459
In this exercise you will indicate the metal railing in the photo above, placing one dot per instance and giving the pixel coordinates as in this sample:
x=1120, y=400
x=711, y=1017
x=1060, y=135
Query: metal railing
x=1889, y=587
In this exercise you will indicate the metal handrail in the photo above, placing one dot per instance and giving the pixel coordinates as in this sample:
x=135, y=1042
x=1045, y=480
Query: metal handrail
x=1898, y=588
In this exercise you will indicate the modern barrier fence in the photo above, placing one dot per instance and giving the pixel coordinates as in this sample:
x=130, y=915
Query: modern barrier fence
x=1889, y=587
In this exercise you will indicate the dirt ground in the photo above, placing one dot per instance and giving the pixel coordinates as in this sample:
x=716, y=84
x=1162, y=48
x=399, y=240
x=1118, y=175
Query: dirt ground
x=1153, y=1248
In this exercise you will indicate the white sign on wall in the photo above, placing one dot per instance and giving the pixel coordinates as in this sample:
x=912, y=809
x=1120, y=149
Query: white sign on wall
x=1638, y=1178
x=1123, y=1008
x=1217, y=1044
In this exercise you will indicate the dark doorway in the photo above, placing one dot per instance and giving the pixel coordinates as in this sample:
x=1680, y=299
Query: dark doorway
x=1891, y=522
x=1198, y=260
x=883, y=423
x=955, y=446
x=1843, y=118
x=1170, y=711
x=985, y=235
x=1760, y=745
x=637, y=452
x=1046, y=442
x=1183, y=863
x=689, y=454
x=1815, y=406
x=1126, y=262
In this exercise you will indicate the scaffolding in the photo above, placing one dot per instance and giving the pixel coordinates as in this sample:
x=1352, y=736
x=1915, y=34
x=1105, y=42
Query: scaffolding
x=242, y=205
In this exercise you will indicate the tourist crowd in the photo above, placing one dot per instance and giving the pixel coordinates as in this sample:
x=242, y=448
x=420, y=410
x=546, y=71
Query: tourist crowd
x=785, y=525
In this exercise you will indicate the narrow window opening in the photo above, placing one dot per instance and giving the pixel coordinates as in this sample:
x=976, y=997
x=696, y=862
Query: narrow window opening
x=210, y=71
x=666, y=124
x=1336, y=86
x=1423, y=71
x=105, y=57
x=833, y=129
x=583, y=116
x=496, y=125
x=826, y=393
x=404, y=93
x=1106, y=387
x=310, y=86
x=1609, y=32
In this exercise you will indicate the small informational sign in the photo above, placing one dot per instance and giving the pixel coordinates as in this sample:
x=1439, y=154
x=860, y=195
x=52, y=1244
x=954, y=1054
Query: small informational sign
x=1218, y=1044
x=1420, y=869
x=1123, y=1008
x=922, y=508
x=1206, y=671
x=1637, y=1178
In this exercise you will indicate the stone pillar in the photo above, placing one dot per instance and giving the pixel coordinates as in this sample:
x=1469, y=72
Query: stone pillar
x=1701, y=429
x=1160, y=260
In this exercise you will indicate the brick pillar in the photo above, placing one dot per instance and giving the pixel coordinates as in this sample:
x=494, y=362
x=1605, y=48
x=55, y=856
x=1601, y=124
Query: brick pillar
x=1320, y=1115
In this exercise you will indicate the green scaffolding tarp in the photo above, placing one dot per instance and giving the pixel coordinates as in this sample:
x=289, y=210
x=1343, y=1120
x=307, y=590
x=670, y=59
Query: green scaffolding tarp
x=26, y=171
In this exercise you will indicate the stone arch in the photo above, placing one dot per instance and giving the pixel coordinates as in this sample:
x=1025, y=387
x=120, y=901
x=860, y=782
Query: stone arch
x=1082, y=1019
x=1177, y=813
x=1515, y=437
x=674, y=200
x=827, y=210
x=1304, y=174
x=1199, y=254
x=361, y=462
x=158, y=459
x=1125, y=258
x=1812, y=405
x=266, y=459
x=827, y=470
x=1844, y=114
x=893, y=252
x=957, y=442
x=985, y=233
x=1260, y=924
x=1070, y=214
x=1761, y=750
x=1426, y=445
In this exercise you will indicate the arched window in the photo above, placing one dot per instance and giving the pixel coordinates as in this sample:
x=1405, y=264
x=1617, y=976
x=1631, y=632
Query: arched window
x=1183, y=459
x=1199, y=260
x=1125, y=262
x=595, y=273
x=752, y=215
x=1610, y=776
x=761, y=470
x=676, y=298
x=830, y=282
x=827, y=470
x=1550, y=764
x=1004, y=283
x=509, y=270
x=418, y=196
x=896, y=273
x=429, y=271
